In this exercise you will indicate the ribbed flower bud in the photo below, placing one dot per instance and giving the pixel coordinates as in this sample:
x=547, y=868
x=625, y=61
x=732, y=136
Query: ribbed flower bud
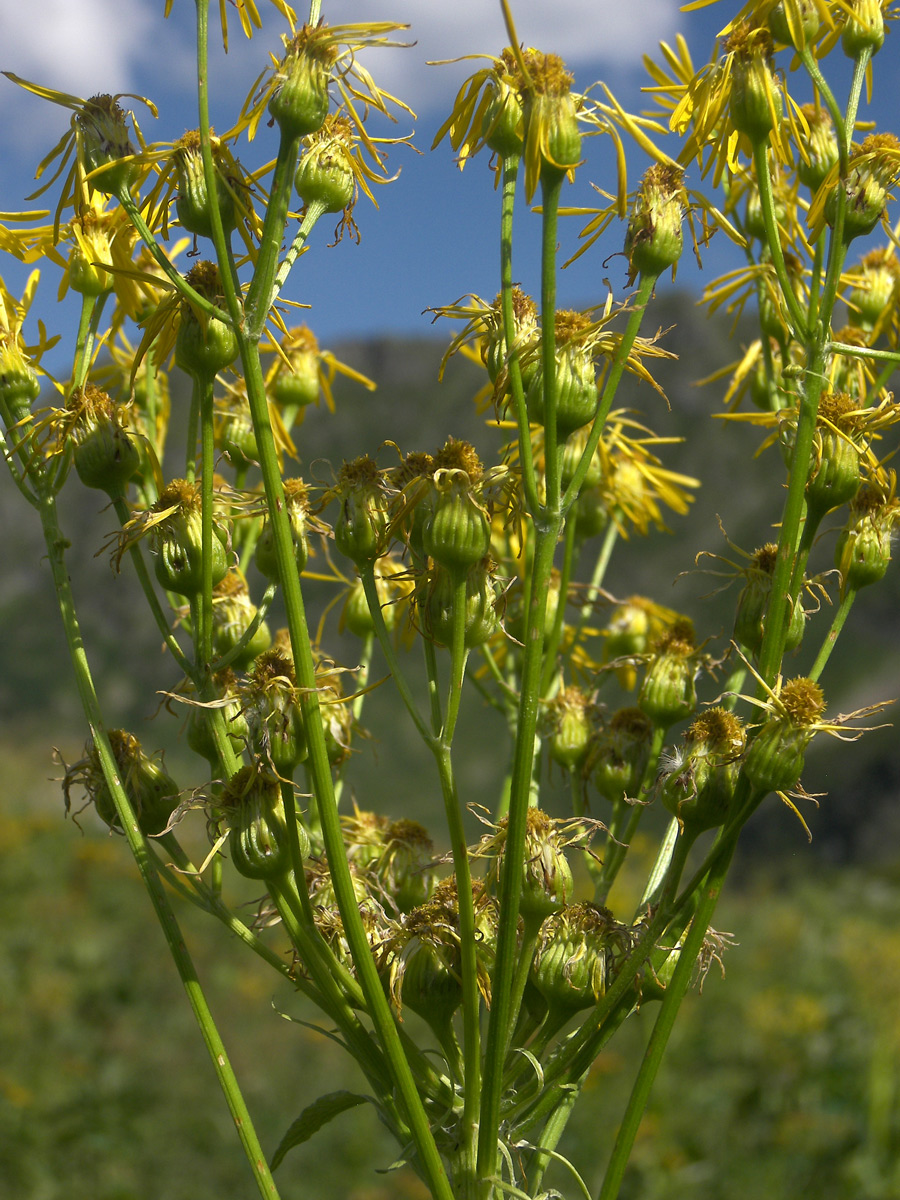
x=753, y=603
x=405, y=866
x=103, y=134
x=152, y=792
x=177, y=540
x=299, y=101
x=271, y=704
x=697, y=784
x=863, y=27
x=546, y=875
x=19, y=384
x=90, y=255
x=258, y=835
x=871, y=171
x=755, y=101
x=355, y=615
x=296, y=503
x=863, y=551
x=360, y=531
x=575, y=958
x=325, y=173
x=457, y=532
x=436, y=599
x=576, y=376
x=622, y=755
x=204, y=345
x=668, y=693
x=502, y=123
x=819, y=149
x=233, y=612
x=298, y=384
x=104, y=453
x=775, y=756
x=875, y=289
x=794, y=23
x=199, y=734
x=570, y=719
x=526, y=337
x=654, y=239
x=835, y=476
x=193, y=203
x=549, y=110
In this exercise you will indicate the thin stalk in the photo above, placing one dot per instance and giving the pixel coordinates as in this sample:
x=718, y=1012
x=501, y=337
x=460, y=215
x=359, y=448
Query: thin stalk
x=554, y=635
x=616, y=370
x=832, y=636
x=56, y=549
x=320, y=774
x=314, y=210
x=798, y=317
x=513, y=367
x=551, y=186
x=260, y=292
x=675, y=992
x=249, y=633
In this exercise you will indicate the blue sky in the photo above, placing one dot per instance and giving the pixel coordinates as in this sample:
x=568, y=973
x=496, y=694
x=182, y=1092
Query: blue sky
x=434, y=237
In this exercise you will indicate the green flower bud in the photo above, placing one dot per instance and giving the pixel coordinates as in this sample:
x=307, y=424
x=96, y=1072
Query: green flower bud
x=697, y=784
x=91, y=254
x=863, y=551
x=193, y=203
x=104, y=453
x=103, y=135
x=869, y=301
x=547, y=882
x=235, y=435
x=755, y=103
x=199, y=734
x=296, y=503
x=576, y=386
x=575, y=958
x=794, y=23
x=526, y=337
x=502, y=123
x=835, y=476
x=550, y=116
x=299, y=102
x=668, y=693
x=775, y=756
x=204, y=345
x=153, y=793
x=258, y=835
x=437, y=596
x=177, y=541
x=19, y=384
x=819, y=150
x=325, y=174
x=570, y=718
x=654, y=240
x=753, y=604
x=297, y=383
x=405, y=866
x=233, y=612
x=622, y=755
x=360, y=531
x=457, y=532
x=863, y=27
x=271, y=704
x=871, y=171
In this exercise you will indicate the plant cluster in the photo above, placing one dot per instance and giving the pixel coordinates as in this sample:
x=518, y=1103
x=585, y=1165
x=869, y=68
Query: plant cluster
x=497, y=572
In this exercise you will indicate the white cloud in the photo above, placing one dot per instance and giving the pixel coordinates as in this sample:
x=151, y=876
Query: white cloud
x=607, y=34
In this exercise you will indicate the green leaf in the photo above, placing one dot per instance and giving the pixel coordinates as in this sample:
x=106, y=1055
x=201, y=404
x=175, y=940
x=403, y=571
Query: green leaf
x=311, y=1120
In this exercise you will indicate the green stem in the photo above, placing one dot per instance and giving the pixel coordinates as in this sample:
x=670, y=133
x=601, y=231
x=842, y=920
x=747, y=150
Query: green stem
x=260, y=292
x=675, y=992
x=314, y=211
x=619, y=363
x=56, y=547
x=773, y=238
x=836, y=626
x=320, y=774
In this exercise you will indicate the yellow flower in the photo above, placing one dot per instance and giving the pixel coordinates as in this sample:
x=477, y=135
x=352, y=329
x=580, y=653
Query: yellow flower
x=301, y=372
x=19, y=363
x=248, y=15
x=105, y=159
x=335, y=46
